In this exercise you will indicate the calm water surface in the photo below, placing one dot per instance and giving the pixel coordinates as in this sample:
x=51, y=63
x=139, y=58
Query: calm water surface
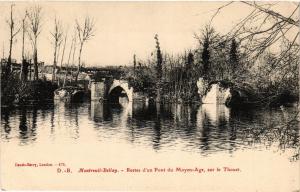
x=205, y=129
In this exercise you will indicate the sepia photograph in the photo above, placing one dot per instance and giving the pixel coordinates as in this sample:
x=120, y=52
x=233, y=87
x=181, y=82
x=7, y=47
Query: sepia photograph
x=150, y=96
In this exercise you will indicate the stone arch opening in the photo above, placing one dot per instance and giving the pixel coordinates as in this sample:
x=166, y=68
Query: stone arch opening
x=78, y=96
x=118, y=95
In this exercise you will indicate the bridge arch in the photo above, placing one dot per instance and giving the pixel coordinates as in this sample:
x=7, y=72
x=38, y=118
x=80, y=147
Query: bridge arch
x=118, y=88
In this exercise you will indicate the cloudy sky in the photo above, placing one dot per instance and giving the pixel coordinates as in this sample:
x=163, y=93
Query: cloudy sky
x=126, y=28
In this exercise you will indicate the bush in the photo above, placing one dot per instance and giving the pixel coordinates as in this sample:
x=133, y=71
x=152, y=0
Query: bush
x=15, y=91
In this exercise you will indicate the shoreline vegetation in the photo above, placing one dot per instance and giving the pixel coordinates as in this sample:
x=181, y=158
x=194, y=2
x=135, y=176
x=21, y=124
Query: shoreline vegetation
x=241, y=62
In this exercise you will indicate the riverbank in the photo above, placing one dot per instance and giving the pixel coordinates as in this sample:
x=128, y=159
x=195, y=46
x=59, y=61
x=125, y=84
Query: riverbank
x=16, y=92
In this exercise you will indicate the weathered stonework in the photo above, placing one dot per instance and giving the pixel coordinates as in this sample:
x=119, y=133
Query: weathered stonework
x=212, y=94
x=101, y=90
x=125, y=86
x=97, y=91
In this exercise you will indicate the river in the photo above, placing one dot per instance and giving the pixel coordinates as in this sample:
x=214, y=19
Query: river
x=139, y=134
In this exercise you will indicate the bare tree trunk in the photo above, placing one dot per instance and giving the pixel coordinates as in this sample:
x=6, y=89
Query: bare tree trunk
x=54, y=62
x=79, y=63
x=35, y=25
x=70, y=52
x=8, y=67
x=22, y=78
x=57, y=69
x=68, y=63
x=84, y=32
x=62, y=59
x=74, y=50
x=11, y=26
x=73, y=59
x=63, y=53
x=57, y=37
x=158, y=70
x=35, y=62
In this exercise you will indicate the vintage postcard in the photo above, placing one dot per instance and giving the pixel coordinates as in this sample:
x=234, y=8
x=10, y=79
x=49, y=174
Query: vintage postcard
x=150, y=96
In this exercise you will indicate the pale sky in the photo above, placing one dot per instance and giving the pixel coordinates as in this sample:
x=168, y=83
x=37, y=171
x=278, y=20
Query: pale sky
x=126, y=28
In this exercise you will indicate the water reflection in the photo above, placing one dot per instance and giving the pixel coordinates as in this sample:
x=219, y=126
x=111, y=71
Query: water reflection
x=5, y=117
x=67, y=116
x=23, y=124
x=100, y=111
x=204, y=129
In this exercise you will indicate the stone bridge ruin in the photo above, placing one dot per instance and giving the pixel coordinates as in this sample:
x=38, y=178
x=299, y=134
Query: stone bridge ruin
x=111, y=90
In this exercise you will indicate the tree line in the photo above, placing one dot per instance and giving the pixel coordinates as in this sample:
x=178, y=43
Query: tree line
x=22, y=85
x=176, y=76
x=244, y=57
x=31, y=26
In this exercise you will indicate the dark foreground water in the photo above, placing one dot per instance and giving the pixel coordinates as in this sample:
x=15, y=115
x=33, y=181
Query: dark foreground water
x=205, y=129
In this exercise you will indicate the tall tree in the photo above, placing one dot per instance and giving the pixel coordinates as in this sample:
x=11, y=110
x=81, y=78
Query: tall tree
x=69, y=57
x=74, y=49
x=134, y=62
x=23, y=76
x=57, y=36
x=158, y=69
x=205, y=56
x=35, y=19
x=206, y=40
x=265, y=27
x=191, y=87
x=84, y=32
x=190, y=59
x=233, y=56
x=13, y=32
x=159, y=59
x=63, y=52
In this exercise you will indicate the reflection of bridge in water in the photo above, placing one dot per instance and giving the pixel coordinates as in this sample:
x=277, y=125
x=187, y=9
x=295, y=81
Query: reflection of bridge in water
x=200, y=124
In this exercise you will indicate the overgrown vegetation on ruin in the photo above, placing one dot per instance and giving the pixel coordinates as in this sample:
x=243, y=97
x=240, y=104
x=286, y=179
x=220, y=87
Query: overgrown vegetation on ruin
x=263, y=57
